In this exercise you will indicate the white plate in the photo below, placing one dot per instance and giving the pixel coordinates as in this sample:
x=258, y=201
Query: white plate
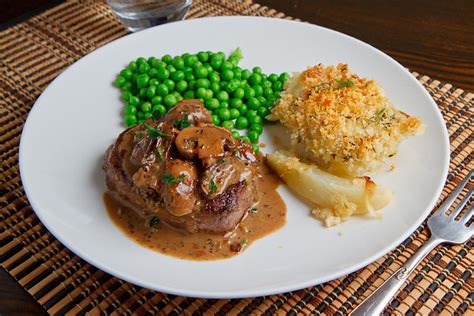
x=79, y=115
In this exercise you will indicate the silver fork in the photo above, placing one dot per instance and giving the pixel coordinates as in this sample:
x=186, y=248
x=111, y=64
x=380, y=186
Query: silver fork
x=444, y=229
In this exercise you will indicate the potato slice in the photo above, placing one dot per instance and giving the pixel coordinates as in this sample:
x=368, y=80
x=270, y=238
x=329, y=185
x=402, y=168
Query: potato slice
x=328, y=192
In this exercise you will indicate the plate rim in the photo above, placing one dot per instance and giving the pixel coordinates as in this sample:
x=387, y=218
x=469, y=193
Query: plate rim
x=253, y=292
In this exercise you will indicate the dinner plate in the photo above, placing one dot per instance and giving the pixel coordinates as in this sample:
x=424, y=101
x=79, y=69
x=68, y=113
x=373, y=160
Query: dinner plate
x=79, y=115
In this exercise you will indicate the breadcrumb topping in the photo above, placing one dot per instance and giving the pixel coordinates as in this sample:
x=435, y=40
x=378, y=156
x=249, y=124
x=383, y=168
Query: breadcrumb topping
x=343, y=121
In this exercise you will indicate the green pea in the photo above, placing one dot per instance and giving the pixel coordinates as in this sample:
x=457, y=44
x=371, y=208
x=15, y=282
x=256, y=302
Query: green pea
x=258, y=90
x=140, y=60
x=284, y=77
x=223, y=85
x=201, y=93
x=255, y=120
x=262, y=100
x=156, y=63
x=253, y=136
x=273, y=77
x=154, y=82
x=227, y=74
x=150, y=92
x=169, y=100
x=208, y=67
x=192, y=85
x=130, y=110
x=126, y=73
x=235, y=103
x=143, y=68
x=224, y=104
x=257, y=70
x=134, y=100
x=156, y=100
x=246, y=74
x=250, y=113
x=234, y=60
x=245, y=139
x=203, y=56
x=132, y=66
x=142, y=93
x=234, y=113
x=276, y=95
x=216, y=61
x=203, y=83
x=163, y=74
x=145, y=107
x=243, y=83
x=255, y=79
x=142, y=80
x=178, y=62
x=153, y=72
x=120, y=81
x=263, y=111
x=222, y=96
x=257, y=128
x=253, y=103
x=130, y=120
x=140, y=115
x=171, y=68
x=214, y=77
x=177, y=75
x=239, y=93
x=188, y=94
x=190, y=60
x=189, y=76
x=242, y=109
x=169, y=83
x=241, y=122
x=266, y=84
x=201, y=72
x=233, y=85
x=214, y=87
x=151, y=59
x=236, y=134
x=277, y=86
x=255, y=148
x=224, y=114
x=158, y=111
x=126, y=96
x=228, y=124
x=209, y=94
x=271, y=100
x=162, y=90
x=181, y=86
x=196, y=65
x=148, y=115
x=237, y=72
x=127, y=86
x=226, y=65
x=140, y=120
x=267, y=92
x=215, y=120
x=249, y=92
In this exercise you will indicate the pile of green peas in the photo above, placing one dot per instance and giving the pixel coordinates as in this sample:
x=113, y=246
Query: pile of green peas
x=238, y=99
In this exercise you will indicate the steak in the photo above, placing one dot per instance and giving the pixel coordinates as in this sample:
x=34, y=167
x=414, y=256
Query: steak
x=188, y=173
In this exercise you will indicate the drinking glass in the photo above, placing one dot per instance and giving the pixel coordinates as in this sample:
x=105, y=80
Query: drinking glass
x=137, y=15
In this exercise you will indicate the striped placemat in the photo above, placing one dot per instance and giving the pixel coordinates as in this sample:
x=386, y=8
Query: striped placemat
x=34, y=52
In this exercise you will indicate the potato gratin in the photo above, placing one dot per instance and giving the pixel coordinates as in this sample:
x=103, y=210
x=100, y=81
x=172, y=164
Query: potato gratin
x=345, y=122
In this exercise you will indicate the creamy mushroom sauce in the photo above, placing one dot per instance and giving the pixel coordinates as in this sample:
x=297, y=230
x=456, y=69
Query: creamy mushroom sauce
x=266, y=217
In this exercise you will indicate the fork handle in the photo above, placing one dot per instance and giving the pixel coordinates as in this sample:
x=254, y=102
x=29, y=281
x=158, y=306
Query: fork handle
x=375, y=303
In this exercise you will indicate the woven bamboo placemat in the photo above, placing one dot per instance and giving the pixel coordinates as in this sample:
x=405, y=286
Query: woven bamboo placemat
x=34, y=52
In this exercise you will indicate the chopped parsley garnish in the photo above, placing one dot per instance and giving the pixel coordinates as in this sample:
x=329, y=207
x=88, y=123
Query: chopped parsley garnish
x=182, y=123
x=212, y=186
x=221, y=161
x=344, y=83
x=154, y=132
x=243, y=242
x=154, y=221
x=169, y=180
x=254, y=210
x=159, y=153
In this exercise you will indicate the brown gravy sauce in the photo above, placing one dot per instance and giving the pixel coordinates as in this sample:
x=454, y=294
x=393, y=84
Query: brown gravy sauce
x=266, y=217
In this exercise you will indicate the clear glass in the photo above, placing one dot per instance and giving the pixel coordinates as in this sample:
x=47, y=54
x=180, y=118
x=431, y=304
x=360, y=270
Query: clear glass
x=137, y=15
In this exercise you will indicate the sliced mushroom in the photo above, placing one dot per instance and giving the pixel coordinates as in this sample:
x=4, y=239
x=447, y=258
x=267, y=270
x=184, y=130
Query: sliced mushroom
x=192, y=109
x=178, y=187
x=203, y=142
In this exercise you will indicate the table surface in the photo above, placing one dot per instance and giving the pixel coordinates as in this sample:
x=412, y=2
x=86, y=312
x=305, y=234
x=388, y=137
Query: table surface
x=435, y=38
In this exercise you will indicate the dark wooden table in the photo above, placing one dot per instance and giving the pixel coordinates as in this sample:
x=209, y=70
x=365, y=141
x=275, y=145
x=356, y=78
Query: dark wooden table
x=431, y=37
